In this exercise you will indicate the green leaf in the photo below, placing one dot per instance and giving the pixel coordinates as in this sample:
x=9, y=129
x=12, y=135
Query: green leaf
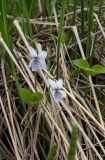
x=36, y=98
x=30, y=98
x=82, y=64
x=75, y=72
x=52, y=152
x=98, y=69
x=25, y=95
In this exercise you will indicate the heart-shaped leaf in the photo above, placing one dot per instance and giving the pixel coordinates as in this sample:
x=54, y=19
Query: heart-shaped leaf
x=75, y=72
x=82, y=64
x=30, y=98
x=98, y=69
x=36, y=98
x=25, y=95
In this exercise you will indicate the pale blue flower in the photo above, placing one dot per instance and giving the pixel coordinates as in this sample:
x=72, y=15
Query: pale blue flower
x=37, y=61
x=56, y=90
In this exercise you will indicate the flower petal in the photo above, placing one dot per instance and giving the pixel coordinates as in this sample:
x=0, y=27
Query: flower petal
x=59, y=83
x=34, y=65
x=63, y=94
x=33, y=52
x=52, y=83
x=42, y=54
x=30, y=63
x=42, y=63
x=58, y=95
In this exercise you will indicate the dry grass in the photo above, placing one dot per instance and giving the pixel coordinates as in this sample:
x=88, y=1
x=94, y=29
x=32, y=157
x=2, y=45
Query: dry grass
x=28, y=133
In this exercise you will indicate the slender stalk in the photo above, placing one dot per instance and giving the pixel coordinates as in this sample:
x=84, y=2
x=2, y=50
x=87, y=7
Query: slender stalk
x=4, y=28
x=27, y=15
x=90, y=26
x=31, y=7
x=48, y=6
x=82, y=18
x=63, y=6
x=74, y=13
x=73, y=22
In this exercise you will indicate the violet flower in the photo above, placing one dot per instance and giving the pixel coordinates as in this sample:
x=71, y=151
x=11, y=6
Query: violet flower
x=56, y=90
x=37, y=61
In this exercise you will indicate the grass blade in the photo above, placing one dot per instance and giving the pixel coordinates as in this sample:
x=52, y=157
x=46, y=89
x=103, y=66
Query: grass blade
x=63, y=6
x=52, y=152
x=73, y=143
x=82, y=18
x=90, y=24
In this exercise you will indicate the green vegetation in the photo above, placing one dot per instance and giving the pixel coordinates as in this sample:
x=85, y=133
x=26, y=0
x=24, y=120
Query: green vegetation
x=73, y=143
x=30, y=98
x=85, y=66
x=70, y=37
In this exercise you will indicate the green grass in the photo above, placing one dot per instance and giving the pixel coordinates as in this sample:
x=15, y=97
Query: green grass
x=63, y=6
x=90, y=26
x=82, y=18
x=30, y=132
x=73, y=143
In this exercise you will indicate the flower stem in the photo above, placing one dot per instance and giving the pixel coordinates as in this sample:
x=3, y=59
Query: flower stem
x=63, y=5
